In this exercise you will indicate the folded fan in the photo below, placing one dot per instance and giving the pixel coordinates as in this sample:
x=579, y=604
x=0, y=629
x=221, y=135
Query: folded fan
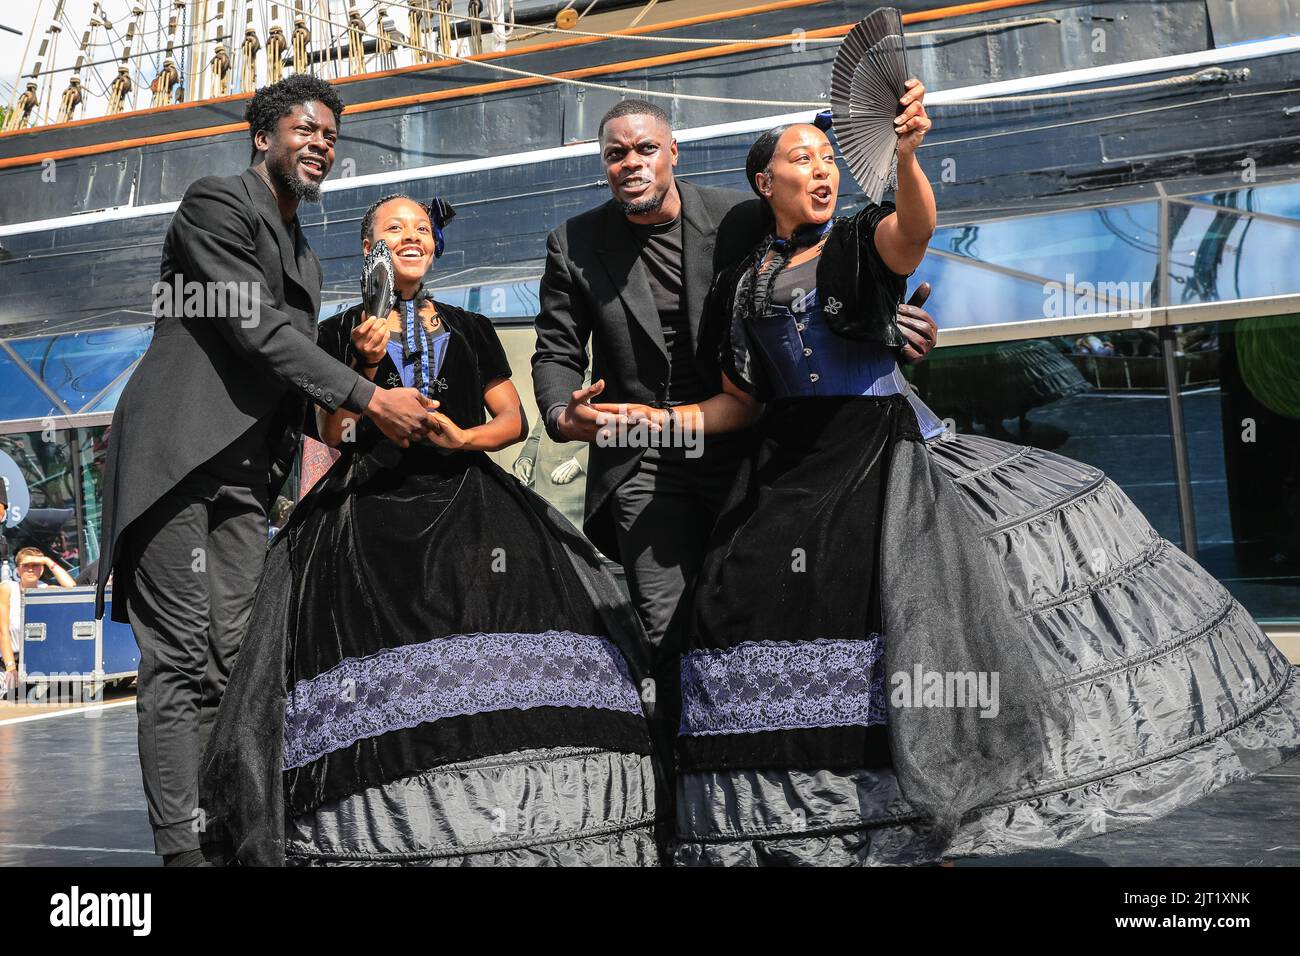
x=377, y=281
x=867, y=82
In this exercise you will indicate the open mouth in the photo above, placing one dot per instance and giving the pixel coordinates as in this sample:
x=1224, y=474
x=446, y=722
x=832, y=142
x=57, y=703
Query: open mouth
x=411, y=252
x=822, y=194
x=635, y=185
x=313, y=165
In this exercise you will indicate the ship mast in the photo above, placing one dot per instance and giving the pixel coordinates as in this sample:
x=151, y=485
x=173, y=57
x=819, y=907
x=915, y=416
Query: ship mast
x=122, y=87
x=198, y=43
x=301, y=39
x=163, y=86
x=248, y=81
x=220, y=66
x=356, y=40
x=46, y=54
x=24, y=102
x=275, y=47
x=71, y=100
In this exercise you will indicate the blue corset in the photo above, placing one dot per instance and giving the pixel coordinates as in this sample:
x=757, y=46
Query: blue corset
x=802, y=356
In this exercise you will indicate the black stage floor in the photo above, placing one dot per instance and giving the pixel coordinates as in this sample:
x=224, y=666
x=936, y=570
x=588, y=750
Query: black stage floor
x=70, y=795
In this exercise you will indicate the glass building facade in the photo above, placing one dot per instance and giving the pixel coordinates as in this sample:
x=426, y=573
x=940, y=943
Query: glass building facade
x=1157, y=339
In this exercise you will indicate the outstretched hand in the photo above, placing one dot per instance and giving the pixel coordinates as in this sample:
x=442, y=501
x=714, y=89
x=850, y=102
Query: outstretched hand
x=583, y=421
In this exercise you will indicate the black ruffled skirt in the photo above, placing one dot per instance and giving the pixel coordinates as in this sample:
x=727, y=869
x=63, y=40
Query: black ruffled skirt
x=438, y=671
x=840, y=578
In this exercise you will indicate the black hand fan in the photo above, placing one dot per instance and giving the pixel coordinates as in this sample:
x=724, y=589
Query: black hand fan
x=377, y=281
x=866, y=84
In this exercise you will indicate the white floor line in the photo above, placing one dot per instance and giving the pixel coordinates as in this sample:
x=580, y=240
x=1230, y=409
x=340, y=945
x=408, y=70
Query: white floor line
x=73, y=849
x=64, y=713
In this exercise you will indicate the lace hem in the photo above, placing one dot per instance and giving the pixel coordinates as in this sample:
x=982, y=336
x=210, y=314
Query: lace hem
x=777, y=685
x=403, y=687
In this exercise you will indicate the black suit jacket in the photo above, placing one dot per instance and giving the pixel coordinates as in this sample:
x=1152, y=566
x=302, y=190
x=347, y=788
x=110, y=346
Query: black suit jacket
x=205, y=380
x=596, y=289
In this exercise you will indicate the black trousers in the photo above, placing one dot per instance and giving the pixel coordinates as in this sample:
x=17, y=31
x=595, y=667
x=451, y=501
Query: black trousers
x=195, y=558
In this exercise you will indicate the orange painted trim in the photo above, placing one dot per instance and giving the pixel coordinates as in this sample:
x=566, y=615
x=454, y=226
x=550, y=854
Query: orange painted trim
x=440, y=64
x=963, y=10
x=480, y=88
x=939, y=13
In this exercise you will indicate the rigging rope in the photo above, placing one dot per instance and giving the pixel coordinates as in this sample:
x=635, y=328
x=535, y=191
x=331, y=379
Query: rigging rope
x=1199, y=76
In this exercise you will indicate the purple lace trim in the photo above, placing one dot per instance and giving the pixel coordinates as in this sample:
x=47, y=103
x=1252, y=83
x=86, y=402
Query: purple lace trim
x=403, y=687
x=778, y=685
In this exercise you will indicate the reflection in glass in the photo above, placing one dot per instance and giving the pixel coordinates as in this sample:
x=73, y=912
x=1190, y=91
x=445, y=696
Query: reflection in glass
x=1110, y=244
x=1221, y=255
x=1282, y=199
x=50, y=523
x=964, y=295
x=92, y=448
x=1243, y=432
x=1071, y=395
x=80, y=365
x=20, y=397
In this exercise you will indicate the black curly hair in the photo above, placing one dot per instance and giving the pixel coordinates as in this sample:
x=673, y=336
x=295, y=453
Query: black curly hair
x=271, y=103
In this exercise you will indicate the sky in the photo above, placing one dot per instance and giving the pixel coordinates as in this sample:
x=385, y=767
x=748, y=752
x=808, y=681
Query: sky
x=18, y=14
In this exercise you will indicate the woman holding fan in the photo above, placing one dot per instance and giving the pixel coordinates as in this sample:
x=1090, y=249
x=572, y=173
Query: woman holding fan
x=907, y=645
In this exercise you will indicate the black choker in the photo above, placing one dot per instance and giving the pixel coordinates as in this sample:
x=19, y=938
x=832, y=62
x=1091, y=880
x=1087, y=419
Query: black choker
x=803, y=237
x=421, y=295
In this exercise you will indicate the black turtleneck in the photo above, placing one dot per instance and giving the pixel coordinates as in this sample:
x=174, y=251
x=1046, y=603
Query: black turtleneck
x=661, y=251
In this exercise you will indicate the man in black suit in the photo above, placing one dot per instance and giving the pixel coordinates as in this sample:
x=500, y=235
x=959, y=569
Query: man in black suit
x=630, y=277
x=206, y=430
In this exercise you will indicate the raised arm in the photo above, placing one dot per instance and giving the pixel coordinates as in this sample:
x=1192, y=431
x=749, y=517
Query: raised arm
x=903, y=237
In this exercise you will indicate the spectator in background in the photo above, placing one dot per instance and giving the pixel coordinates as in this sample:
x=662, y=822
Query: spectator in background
x=31, y=567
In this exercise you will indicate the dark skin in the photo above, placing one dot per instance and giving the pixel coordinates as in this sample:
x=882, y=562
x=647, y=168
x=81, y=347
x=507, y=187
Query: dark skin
x=638, y=153
x=302, y=147
x=405, y=227
x=801, y=185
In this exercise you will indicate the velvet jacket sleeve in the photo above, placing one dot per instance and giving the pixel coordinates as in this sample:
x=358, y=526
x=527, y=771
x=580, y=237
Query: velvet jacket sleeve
x=214, y=238
x=563, y=330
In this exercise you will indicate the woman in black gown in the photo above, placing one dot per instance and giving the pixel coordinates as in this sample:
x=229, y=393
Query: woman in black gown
x=438, y=669
x=909, y=645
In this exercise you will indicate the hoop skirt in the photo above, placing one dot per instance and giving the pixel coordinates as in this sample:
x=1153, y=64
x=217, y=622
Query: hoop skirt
x=438, y=670
x=909, y=645
x=1173, y=689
